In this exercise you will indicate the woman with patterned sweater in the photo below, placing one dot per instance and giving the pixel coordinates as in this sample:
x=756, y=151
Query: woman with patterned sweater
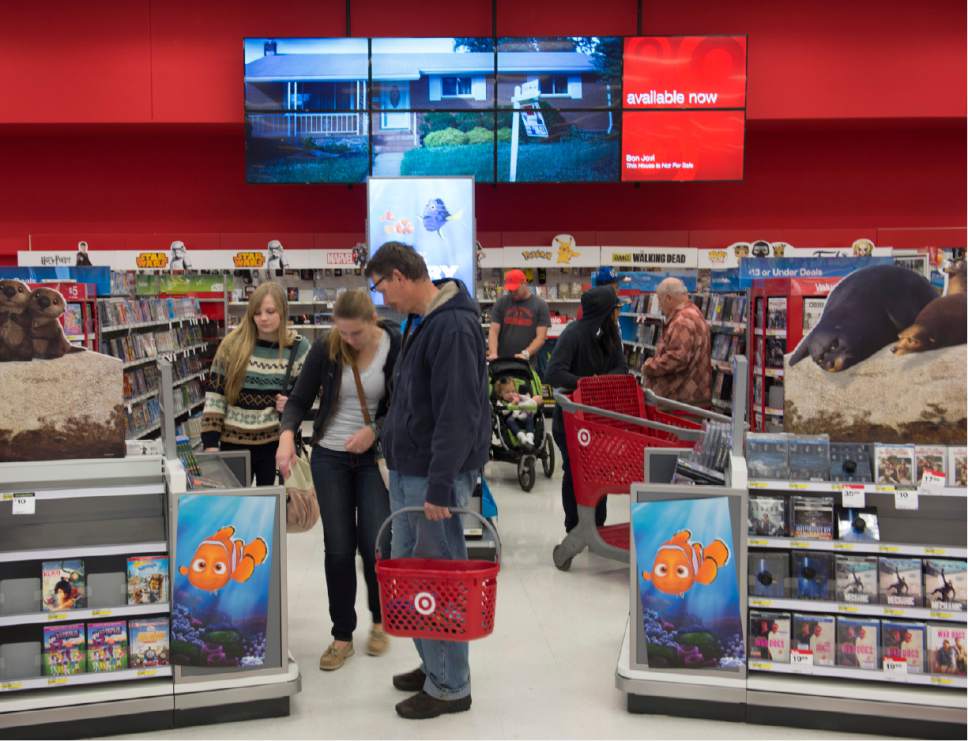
x=248, y=385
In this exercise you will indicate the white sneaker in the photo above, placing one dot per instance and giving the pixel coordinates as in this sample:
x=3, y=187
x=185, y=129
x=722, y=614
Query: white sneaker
x=529, y=438
x=522, y=438
x=495, y=440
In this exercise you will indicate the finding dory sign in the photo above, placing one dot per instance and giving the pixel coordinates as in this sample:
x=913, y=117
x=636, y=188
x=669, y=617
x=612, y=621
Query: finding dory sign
x=223, y=568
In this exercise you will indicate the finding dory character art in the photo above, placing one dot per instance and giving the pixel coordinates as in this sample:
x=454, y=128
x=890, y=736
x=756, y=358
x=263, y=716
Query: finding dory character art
x=679, y=564
x=222, y=557
x=435, y=216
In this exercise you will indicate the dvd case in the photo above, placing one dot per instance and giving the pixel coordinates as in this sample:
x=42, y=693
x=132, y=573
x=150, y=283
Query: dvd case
x=63, y=650
x=930, y=458
x=812, y=517
x=770, y=636
x=768, y=516
x=107, y=646
x=946, y=649
x=64, y=585
x=813, y=574
x=958, y=466
x=894, y=464
x=147, y=580
x=856, y=579
x=850, y=462
x=148, y=642
x=858, y=525
x=767, y=456
x=768, y=574
x=809, y=457
x=903, y=640
x=817, y=634
x=944, y=584
x=900, y=581
x=858, y=643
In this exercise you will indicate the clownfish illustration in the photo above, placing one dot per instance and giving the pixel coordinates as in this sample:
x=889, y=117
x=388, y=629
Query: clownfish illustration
x=222, y=557
x=679, y=564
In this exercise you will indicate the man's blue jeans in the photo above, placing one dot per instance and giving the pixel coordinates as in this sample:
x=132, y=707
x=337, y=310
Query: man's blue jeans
x=446, y=663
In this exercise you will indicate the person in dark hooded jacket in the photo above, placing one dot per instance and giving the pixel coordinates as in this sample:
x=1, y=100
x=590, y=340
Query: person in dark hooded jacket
x=590, y=346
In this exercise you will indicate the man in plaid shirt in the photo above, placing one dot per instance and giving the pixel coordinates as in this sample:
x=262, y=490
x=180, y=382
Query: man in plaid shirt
x=681, y=368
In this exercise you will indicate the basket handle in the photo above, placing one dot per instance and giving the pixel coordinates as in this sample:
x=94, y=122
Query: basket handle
x=453, y=511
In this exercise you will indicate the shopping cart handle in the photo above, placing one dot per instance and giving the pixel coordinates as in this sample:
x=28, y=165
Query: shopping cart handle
x=654, y=398
x=453, y=511
x=569, y=406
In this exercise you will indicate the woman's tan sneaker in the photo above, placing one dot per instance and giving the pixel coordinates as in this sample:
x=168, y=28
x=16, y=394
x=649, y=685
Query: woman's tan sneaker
x=378, y=642
x=335, y=656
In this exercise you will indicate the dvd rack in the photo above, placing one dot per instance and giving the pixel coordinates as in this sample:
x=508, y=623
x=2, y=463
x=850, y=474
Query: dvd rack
x=561, y=288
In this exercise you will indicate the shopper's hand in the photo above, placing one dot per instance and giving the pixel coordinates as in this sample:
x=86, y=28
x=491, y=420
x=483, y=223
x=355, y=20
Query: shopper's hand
x=361, y=441
x=491, y=356
x=285, y=455
x=435, y=513
x=281, y=402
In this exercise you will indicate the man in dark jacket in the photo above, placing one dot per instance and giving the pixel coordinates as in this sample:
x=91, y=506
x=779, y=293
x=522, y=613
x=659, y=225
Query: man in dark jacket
x=436, y=438
x=590, y=346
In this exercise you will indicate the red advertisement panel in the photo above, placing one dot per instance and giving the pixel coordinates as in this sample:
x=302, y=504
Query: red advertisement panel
x=682, y=145
x=685, y=72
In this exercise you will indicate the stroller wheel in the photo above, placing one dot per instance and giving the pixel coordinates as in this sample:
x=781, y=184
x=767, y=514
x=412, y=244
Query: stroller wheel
x=562, y=564
x=548, y=458
x=526, y=472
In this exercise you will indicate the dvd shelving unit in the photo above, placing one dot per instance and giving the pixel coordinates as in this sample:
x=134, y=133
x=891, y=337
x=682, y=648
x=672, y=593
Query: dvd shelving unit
x=560, y=288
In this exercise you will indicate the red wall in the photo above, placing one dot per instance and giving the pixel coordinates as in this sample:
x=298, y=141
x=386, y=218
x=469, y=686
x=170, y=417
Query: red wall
x=857, y=117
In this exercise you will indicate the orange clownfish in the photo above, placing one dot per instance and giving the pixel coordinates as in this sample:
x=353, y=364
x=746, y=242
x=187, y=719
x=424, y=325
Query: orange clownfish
x=679, y=564
x=222, y=557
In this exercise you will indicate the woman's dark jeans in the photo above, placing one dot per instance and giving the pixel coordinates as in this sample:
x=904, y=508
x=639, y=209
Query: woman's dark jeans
x=353, y=503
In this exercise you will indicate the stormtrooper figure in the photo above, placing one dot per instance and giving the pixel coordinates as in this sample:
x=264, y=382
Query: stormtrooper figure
x=275, y=260
x=178, y=257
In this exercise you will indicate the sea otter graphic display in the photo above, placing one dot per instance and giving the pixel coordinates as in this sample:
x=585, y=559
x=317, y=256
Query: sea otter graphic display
x=885, y=362
x=223, y=569
x=58, y=401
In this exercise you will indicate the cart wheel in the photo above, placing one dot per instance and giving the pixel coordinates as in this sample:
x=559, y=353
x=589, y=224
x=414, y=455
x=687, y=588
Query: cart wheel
x=548, y=459
x=560, y=564
x=526, y=472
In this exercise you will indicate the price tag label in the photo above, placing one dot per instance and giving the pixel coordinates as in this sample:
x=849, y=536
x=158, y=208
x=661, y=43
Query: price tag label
x=11, y=685
x=943, y=681
x=24, y=504
x=852, y=496
x=799, y=485
x=761, y=603
x=756, y=541
x=906, y=499
x=843, y=546
x=147, y=672
x=55, y=616
x=56, y=680
x=101, y=613
x=847, y=608
x=895, y=668
x=758, y=485
x=799, y=544
x=938, y=615
x=893, y=611
x=889, y=549
x=801, y=661
x=884, y=489
x=934, y=551
x=932, y=481
x=759, y=666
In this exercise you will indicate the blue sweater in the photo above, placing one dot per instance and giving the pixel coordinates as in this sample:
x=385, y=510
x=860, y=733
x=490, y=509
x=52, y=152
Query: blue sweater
x=439, y=424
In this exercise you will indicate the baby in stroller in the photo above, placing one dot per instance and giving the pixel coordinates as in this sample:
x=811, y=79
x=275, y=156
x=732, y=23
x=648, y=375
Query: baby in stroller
x=517, y=409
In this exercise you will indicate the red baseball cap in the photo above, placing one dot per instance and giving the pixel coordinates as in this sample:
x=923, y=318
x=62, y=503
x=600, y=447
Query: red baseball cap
x=514, y=279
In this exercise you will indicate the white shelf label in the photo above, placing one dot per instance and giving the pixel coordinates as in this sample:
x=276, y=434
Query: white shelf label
x=24, y=504
x=895, y=668
x=906, y=499
x=801, y=661
x=932, y=481
x=852, y=496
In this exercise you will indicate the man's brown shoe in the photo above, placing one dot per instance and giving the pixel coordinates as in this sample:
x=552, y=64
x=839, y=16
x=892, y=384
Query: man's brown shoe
x=411, y=681
x=335, y=656
x=422, y=706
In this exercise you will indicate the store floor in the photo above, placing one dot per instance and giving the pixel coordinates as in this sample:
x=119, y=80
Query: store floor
x=548, y=671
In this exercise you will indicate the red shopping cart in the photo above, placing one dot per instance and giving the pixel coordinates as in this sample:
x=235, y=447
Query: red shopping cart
x=451, y=600
x=609, y=423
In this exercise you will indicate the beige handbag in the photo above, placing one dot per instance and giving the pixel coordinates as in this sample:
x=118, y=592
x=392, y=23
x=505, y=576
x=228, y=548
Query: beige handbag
x=302, y=509
x=381, y=462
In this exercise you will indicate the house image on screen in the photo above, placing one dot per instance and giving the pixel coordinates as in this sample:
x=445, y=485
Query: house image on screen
x=319, y=95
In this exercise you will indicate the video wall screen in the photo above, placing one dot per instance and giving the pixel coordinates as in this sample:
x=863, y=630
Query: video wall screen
x=338, y=110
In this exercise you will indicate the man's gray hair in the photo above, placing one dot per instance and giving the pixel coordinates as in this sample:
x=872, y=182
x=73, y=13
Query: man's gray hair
x=673, y=287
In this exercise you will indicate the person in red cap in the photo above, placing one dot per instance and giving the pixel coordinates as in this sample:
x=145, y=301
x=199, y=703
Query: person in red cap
x=519, y=320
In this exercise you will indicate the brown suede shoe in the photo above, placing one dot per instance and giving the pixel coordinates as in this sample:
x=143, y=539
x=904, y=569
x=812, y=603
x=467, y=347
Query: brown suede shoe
x=335, y=656
x=378, y=642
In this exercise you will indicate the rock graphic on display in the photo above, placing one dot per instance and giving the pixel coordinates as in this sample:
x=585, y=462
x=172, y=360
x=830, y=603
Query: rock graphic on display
x=66, y=407
x=887, y=398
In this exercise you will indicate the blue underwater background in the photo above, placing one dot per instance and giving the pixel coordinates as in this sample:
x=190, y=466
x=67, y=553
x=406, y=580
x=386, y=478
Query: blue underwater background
x=704, y=627
x=228, y=627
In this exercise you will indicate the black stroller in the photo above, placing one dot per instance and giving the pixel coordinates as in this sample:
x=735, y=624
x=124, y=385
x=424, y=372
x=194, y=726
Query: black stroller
x=508, y=447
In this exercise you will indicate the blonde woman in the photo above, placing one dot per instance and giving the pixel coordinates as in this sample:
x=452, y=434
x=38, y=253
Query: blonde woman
x=353, y=501
x=247, y=385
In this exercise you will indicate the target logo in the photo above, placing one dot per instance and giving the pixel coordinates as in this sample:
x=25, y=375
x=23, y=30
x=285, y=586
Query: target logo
x=584, y=437
x=424, y=603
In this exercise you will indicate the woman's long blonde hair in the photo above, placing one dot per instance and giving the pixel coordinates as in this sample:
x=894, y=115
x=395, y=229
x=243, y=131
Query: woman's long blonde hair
x=235, y=350
x=352, y=304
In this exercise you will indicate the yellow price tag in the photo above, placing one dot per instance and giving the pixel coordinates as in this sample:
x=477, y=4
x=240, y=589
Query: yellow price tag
x=889, y=549
x=147, y=672
x=11, y=685
x=847, y=608
x=756, y=541
x=942, y=615
x=761, y=603
x=760, y=667
x=799, y=485
x=798, y=544
x=843, y=546
x=758, y=485
x=6, y=497
x=935, y=551
x=884, y=488
x=893, y=611
x=56, y=616
x=98, y=613
x=941, y=680
x=56, y=680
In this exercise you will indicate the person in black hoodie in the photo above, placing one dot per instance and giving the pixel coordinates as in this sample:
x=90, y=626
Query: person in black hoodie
x=353, y=501
x=436, y=439
x=590, y=346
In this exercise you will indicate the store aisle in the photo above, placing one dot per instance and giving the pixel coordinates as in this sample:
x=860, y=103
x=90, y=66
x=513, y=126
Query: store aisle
x=548, y=671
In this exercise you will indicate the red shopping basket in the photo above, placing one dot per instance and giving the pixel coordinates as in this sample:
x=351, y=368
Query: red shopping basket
x=439, y=599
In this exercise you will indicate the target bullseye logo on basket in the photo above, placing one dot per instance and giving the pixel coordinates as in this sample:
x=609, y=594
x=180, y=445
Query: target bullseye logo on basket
x=584, y=437
x=424, y=603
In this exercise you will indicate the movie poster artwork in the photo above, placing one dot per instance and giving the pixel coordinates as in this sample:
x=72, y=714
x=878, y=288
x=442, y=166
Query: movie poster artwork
x=222, y=578
x=687, y=578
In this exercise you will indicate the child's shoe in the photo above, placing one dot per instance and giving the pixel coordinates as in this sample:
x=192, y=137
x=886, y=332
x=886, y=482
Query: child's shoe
x=522, y=437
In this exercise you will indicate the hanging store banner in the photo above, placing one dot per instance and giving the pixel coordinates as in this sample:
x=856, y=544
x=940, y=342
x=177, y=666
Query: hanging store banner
x=720, y=258
x=641, y=258
x=179, y=258
x=751, y=269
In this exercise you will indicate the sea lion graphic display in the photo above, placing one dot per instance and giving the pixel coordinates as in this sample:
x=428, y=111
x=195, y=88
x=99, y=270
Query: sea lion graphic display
x=942, y=323
x=49, y=342
x=956, y=277
x=864, y=313
x=14, y=321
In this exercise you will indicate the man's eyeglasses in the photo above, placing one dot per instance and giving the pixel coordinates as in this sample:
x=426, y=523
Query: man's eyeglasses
x=374, y=286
